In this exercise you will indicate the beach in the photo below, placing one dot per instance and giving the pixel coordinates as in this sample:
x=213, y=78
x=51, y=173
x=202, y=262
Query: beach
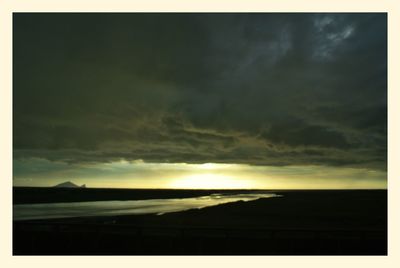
x=300, y=222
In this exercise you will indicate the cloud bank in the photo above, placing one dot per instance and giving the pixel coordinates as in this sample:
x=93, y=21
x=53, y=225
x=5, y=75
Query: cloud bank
x=258, y=89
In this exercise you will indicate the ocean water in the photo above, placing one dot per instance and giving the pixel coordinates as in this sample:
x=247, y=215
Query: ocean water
x=132, y=207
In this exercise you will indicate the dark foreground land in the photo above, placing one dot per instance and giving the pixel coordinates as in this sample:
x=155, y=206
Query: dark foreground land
x=315, y=222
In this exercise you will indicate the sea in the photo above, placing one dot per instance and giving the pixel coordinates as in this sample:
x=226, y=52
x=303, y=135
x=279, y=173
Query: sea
x=130, y=207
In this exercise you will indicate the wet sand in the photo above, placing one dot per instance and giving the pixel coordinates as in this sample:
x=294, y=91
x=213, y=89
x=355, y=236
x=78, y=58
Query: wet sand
x=318, y=222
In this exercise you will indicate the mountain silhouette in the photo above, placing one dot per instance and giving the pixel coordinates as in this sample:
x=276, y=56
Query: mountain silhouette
x=69, y=184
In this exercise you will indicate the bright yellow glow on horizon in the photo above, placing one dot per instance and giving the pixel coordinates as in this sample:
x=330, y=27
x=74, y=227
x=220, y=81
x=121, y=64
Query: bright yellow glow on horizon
x=139, y=174
x=208, y=166
x=210, y=181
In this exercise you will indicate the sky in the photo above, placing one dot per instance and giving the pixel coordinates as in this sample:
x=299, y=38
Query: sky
x=169, y=100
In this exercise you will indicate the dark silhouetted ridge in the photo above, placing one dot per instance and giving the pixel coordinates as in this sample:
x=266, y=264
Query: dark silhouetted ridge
x=69, y=184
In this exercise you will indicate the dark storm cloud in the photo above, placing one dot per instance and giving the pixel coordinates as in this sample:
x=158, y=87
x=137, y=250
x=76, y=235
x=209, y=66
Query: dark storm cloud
x=262, y=89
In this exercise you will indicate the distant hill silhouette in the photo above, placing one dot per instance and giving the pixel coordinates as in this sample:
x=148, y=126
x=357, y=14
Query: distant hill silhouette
x=69, y=184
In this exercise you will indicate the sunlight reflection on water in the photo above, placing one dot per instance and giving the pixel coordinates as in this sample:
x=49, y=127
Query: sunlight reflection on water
x=134, y=207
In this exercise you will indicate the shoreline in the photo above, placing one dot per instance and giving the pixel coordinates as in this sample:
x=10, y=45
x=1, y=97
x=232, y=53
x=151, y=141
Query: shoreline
x=300, y=223
x=37, y=195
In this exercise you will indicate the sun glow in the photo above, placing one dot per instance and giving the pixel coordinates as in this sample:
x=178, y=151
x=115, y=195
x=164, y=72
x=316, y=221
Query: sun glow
x=208, y=166
x=210, y=181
